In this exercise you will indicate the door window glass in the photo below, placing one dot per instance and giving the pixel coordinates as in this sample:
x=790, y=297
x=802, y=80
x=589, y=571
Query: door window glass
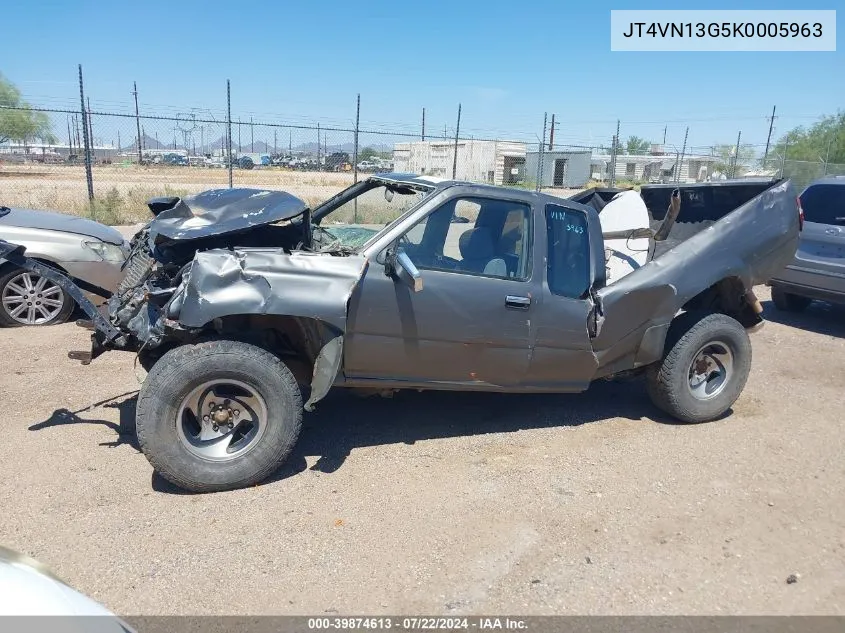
x=474, y=236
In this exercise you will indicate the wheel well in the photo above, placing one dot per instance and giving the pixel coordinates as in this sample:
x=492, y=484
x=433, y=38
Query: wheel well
x=297, y=340
x=729, y=296
x=9, y=265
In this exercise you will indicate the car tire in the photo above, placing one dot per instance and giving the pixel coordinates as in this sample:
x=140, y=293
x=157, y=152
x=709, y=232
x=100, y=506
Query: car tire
x=787, y=302
x=182, y=410
x=705, y=365
x=14, y=281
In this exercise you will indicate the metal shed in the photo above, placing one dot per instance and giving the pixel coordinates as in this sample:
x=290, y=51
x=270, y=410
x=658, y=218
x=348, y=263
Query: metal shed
x=560, y=168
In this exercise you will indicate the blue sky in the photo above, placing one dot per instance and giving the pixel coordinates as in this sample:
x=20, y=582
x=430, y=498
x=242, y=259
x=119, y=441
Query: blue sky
x=506, y=62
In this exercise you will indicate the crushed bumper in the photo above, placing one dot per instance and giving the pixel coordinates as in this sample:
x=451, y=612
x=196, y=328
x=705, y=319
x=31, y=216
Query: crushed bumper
x=104, y=334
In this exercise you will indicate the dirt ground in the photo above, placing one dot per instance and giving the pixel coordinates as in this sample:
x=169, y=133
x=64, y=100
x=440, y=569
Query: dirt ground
x=445, y=502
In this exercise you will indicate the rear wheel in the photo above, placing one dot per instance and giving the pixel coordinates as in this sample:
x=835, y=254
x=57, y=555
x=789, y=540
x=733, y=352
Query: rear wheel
x=218, y=415
x=27, y=298
x=788, y=302
x=705, y=366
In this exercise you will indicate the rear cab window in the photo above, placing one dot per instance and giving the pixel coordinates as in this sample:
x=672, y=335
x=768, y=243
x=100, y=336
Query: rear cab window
x=824, y=203
x=568, y=261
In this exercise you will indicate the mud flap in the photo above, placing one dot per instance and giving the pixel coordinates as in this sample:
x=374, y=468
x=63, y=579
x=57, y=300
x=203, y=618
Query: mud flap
x=325, y=370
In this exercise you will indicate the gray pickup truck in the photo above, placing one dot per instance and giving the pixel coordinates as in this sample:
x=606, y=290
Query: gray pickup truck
x=242, y=303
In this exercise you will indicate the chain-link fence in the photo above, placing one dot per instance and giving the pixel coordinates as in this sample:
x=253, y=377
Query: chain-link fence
x=107, y=165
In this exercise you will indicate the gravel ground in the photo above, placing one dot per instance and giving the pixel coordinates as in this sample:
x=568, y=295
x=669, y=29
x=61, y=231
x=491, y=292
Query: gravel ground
x=445, y=502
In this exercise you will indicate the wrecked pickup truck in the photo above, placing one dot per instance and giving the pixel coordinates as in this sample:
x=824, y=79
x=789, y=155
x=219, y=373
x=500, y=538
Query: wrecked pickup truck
x=242, y=303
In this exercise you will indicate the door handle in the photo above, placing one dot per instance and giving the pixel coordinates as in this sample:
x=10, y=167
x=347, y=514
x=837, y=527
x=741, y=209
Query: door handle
x=832, y=231
x=512, y=301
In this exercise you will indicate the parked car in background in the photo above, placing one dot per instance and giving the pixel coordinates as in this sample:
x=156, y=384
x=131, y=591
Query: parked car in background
x=82, y=248
x=818, y=270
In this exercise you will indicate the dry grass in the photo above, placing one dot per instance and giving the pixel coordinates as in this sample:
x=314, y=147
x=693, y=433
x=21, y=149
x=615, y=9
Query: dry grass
x=121, y=192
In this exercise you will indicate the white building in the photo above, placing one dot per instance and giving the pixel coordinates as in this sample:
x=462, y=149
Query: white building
x=654, y=168
x=496, y=162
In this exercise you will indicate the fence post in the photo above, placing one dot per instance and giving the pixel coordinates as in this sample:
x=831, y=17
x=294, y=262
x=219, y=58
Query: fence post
x=355, y=154
x=736, y=154
x=422, y=137
x=683, y=153
x=319, y=166
x=457, y=134
x=614, y=150
x=89, y=176
x=540, y=154
x=783, y=156
x=229, y=129
x=137, y=121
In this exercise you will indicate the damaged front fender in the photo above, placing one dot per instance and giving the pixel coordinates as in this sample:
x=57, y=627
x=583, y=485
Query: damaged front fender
x=268, y=281
x=226, y=283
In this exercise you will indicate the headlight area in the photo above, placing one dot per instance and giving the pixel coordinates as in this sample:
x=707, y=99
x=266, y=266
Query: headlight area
x=105, y=251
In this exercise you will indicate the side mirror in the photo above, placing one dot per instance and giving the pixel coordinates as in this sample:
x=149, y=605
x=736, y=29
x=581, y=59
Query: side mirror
x=400, y=266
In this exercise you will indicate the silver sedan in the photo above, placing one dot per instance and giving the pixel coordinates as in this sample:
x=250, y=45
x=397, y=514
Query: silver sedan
x=82, y=248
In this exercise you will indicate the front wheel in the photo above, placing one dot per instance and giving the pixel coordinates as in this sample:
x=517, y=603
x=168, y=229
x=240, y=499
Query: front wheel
x=706, y=362
x=218, y=415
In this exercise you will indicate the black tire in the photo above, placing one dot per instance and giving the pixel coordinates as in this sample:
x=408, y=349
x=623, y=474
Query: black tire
x=7, y=275
x=788, y=302
x=184, y=369
x=669, y=380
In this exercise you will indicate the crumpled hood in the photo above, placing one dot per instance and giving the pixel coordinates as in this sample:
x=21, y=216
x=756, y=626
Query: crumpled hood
x=52, y=221
x=221, y=211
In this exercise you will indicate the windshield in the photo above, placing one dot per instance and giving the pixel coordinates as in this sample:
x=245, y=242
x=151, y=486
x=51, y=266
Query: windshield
x=356, y=221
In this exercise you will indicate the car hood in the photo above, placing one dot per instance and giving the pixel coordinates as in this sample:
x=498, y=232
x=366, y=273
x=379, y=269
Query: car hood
x=221, y=211
x=52, y=221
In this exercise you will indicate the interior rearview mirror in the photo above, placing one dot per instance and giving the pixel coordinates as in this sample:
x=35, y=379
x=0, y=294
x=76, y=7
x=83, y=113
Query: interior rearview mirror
x=400, y=266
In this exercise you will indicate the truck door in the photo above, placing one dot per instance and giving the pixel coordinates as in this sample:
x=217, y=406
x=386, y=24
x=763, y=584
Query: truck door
x=470, y=325
x=563, y=358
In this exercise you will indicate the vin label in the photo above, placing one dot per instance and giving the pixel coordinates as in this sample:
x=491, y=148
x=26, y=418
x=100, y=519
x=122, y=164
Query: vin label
x=723, y=30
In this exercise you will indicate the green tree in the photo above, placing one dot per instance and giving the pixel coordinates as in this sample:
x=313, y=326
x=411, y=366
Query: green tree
x=822, y=142
x=637, y=145
x=22, y=124
x=726, y=154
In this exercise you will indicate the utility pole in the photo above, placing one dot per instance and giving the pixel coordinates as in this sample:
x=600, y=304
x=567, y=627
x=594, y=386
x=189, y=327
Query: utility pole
x=251, y=136
x=552, y=135
x=423, y=126
x=239, y=135
x=137, y=120
x=457, y=133
x=665, y=127
x=319, y=166
x=769, y=138
x=69, y=138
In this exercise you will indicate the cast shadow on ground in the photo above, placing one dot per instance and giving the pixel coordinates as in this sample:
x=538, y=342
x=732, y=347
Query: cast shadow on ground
x=124, y=429
x=819, y=317
x=344, y=421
